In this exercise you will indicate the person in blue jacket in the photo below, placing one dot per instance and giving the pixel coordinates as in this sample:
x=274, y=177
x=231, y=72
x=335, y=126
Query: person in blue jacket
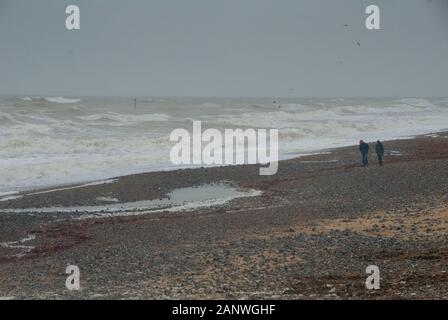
x=364, y=149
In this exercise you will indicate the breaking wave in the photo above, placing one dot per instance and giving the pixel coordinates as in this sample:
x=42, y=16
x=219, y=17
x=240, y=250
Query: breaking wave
x=59, y=100
x=95, y=139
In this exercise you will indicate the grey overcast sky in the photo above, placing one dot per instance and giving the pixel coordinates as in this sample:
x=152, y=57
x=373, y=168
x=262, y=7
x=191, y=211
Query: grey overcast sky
x=224, y=48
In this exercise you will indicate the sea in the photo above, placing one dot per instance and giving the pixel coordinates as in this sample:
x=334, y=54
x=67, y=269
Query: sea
x=57, y=141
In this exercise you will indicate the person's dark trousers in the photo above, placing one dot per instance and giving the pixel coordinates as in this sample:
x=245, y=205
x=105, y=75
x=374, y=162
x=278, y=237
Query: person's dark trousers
x=365, y=159
x=380, y=160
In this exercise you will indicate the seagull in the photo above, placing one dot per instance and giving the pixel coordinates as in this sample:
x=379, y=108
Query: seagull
x=357, y=42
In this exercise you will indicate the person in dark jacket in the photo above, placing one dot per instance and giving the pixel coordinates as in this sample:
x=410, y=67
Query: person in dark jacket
x=364, y=148
x=379, y=148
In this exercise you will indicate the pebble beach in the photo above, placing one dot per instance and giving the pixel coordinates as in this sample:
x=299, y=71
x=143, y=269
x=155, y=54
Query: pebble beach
x=308, y=232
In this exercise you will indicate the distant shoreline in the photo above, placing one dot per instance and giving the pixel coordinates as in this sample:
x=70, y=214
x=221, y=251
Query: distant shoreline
x=46, y=189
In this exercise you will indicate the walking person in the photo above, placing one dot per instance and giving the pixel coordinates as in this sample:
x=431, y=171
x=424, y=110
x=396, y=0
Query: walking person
x=364, y=148
x=379, y=148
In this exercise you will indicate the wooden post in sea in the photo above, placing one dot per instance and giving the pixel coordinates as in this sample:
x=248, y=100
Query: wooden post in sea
x=135, y=103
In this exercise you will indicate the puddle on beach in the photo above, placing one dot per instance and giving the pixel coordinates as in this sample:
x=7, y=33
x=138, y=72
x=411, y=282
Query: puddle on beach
x=177, y=200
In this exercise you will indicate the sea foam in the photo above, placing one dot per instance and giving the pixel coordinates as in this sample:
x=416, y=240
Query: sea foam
x=47, y=142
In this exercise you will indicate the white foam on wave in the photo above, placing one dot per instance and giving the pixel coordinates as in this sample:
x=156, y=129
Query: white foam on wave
x=310, y=129
x=126, y=119
x=44, y=146
x=416, y=102
x=61, y=100
x=46, y=161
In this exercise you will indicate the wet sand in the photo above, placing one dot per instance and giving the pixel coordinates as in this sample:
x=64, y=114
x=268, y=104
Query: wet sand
x=319, y=222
